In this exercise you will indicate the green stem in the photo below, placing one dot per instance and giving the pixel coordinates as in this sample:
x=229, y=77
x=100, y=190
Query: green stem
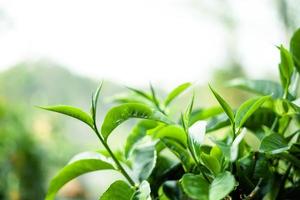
x=254, y=191
x=284, y=178
x=120, y=167
x=274, y=123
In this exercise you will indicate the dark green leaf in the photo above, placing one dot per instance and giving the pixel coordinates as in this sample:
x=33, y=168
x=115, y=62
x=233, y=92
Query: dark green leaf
x=73, y=170
x=221, y=186
x=176, y=92
x=273, y=143
x=172, y=190
x=295, y=49
x=227, y=109
x=247, y=109
x=119, y=190
x=72, y=112
x=121, y=113
x=195, y=186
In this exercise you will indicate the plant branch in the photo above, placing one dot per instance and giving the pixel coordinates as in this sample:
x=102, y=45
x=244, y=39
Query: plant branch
x=120, y=167
x=254, y=191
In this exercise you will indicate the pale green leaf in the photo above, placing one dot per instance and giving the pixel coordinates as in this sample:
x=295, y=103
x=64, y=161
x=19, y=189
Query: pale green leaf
x=262, y=87
x=234, y=149
x=72, y=112
x=176, y=92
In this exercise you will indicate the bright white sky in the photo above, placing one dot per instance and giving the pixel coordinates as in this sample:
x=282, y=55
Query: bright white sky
x=135, y=41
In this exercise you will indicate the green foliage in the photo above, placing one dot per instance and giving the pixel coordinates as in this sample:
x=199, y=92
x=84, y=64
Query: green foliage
x=72, y=112
x=177, y=91
x=227, y=109
x=73, y=170
x=248, y=152
x=247, y=109
x=295, y=49
x=118, y=190
x=119, y=114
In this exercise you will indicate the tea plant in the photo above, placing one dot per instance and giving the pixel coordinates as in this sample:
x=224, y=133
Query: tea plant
x=254, y=155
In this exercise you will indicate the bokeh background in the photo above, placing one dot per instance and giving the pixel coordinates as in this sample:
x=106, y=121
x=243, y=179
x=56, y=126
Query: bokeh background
x=57, y=52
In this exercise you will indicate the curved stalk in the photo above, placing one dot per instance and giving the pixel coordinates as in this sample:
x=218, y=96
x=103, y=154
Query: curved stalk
x=120, y=167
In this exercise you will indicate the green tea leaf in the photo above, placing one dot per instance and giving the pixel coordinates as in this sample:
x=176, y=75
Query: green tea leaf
x=227, y=109
x=286, y=67
x=176, y=92
x=154, y=97
x=121, y=113
x=137, y=133
x=95, y=101
x=141, y=93
x=217, y=153
x=261, y=87
x=72, y=112
x=143, y=192
x=179, y=151
x=143, y=161
x=217, y=122
x=73, y=170
x=195, y=186
x=175, y=132
x=211, y=163
x=273, y=143
x=234, y=149
x=285, y=108
x=295, y=49
x=119, y=190
x=196, y=136
x=203, y=114
x=247, y=109
x=221, y=186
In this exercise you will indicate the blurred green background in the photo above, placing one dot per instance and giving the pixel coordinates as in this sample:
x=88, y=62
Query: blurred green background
x=34, y=144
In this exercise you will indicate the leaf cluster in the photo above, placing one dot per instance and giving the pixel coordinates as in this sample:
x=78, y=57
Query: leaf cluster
x=165, y=158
